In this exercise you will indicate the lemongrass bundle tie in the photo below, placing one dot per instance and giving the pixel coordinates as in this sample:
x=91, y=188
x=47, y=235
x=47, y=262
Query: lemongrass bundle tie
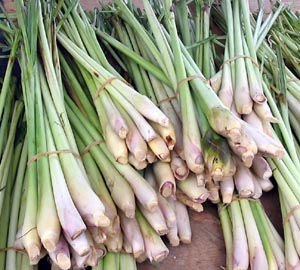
x=179, y=84
x=237, y=57
x=89, y=146
x=39, y=155
x=236, y=198
x=291, y=213
x=14, y=249
x=102, y=87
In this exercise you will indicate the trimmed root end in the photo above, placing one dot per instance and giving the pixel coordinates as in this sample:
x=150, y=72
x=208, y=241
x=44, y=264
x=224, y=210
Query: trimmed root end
x=49, y=242
x=63, y=261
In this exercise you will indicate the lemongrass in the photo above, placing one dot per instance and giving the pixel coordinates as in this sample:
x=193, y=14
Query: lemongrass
x=227, y=189
x=266, y=184
x=155, y=248
x=243, y=180
x=156, y=220
x=114, y=243
x=227, y=234
x=240, y=252
x=183, y=223
x=216, y=81
x=61, y=255
x=191, y=189
x=257, y=188
x=164, y=178
x=80, y=244
x=213, y=188
x=139, y=165
x=167, y=133
x=253, y=119
x=178, y=166
x=132, y=234
x=160, y=149
x=261, y=167
x=127, y=262
x=172, y=235
x=183, y=198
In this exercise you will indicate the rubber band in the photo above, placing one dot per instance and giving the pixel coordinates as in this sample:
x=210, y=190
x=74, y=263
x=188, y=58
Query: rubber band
x=290, y=214
x=237, y=57
x=89, y=146
x=39, y=155
x=102, y=87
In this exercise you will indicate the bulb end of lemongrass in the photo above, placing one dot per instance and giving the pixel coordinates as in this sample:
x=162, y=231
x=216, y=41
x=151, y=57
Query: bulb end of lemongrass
x=168, y=189
x=259, y=98
x=63, y=261
x=160, y=257
x=245, y=193
x=247, y=158
x=123, y=133
x=227, y=198
x=101, y=220
x=129, y=212
x=181, y=173
x=235, y=135
x=49, y=242
x=34, y=253
x=140, y=155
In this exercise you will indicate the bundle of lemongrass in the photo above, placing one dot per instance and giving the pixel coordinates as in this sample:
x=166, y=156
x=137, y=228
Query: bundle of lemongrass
x=107, y=167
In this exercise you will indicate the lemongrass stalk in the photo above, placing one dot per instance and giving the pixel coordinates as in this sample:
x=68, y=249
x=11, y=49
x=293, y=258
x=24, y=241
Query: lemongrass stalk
x=161, y=42
x=191, y=134
x=190, y=187
x=242, y=97
x=98, y=185
x=78, y=262
x=266, y=145
x=15, y=208
x=4, y=125
x=163, y=202
x=155, y=248
x=80, y=244
x=132, y=98
x=7, y=158
x=126, y=245
x=227, y=189
x=134, y=141
x=167, y=133
x=160, y=149
x=265, y=184
x=127, y=262
x=253, y=120
x=133, y=234
x=61, y=255
x=240, y=250
x=110, y=261
x=291, y=256
x=164, y=178
x=54, y=85
x=69, y=217
x=295, y=231
x=114, y=181
x=284, y=132
x=48, y=225
x=178, y=166
x=226, y=91
x=183, y=222
x=74, y=88
x=86, y=201
x=114, y=243
x=150, y=156
x=227, y=234
x=142, y=258
x=216, y=81
x=4, y=220
x=156, y=220
x=172, y=235
x=165, y=103
x=142, y=61
x=5, y=88
x=100, y=250
x=115, y=144
x=243, y=180
x=270, y=233
x=261, y=167
x=257, y=188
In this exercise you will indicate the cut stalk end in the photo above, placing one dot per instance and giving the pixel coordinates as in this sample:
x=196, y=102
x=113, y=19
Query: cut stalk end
x=63, y=261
